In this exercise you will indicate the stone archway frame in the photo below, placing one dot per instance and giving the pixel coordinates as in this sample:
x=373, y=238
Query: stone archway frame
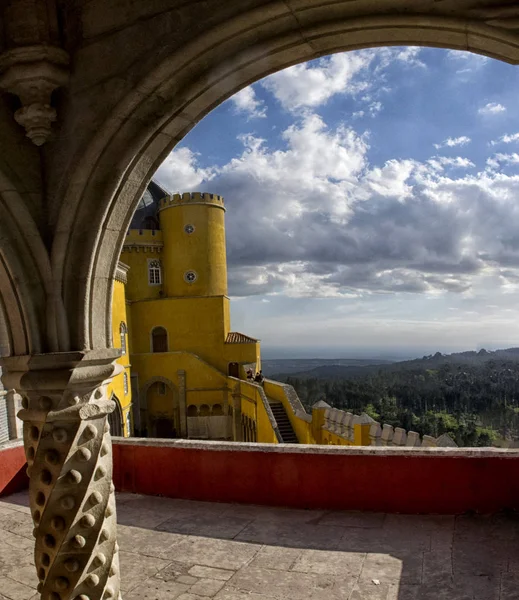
x=143, y=128
x=175, y=389
x=32, y=312
x=118, y=411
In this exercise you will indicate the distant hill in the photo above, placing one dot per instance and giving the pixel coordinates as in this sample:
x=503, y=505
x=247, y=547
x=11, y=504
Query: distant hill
x=287, y=366
x=345, y=368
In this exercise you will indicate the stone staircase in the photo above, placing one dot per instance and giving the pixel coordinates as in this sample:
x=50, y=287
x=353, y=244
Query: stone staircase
x=286, y=431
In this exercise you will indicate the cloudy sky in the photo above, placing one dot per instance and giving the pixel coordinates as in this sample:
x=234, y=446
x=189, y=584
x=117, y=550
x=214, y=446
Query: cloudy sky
x=372, y=203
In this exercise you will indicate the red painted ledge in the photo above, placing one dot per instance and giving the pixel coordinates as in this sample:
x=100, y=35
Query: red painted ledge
x=13, y=477
x=395, y=480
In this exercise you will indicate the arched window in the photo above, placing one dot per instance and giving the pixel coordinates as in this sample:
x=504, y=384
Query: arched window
x=159, y=340
x=205, y=411
x=115, y=417
x=125, y=379
x=123, y=330
x=154, y=272
x=192, y=411
x=217, y=410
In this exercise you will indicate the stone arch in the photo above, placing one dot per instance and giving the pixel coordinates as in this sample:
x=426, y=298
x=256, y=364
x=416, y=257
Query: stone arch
x=149, y=383
x=32, y=313
x=161, y=425
x=103, y=184
x=115, y=418
x=192, y=410
x=217, y=410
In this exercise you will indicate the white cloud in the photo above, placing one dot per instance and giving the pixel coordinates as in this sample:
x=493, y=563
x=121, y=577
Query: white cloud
x=246, y=102
x=468, y=62
x=392, y=179
x=506, y=139
x=314, y=219
x=312, y=84
x=180, y=172
x=495, y=162
x=452, y=142
x=440, y=162
x=408, y=55
x=492, y=108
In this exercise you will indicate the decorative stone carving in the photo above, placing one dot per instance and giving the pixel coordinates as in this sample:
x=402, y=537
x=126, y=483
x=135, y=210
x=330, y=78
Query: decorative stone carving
x=68, y=448
x=32, y=73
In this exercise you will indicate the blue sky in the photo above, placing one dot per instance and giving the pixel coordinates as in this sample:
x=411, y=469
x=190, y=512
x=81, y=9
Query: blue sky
x=372, y=202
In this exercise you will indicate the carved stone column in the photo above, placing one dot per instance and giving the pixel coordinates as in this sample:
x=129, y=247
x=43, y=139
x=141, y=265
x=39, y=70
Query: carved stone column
x=69, y=453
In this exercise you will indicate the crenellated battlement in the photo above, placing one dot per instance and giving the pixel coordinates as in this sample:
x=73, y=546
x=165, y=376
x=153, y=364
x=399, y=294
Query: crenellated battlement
x=191, y=198
x=342, y=425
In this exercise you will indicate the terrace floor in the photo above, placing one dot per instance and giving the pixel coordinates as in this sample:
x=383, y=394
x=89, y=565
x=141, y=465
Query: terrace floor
x=178, y=549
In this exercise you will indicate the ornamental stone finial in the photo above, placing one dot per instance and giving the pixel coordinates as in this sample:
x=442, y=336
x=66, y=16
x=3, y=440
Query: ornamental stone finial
x=68, y=448
x=32, y=73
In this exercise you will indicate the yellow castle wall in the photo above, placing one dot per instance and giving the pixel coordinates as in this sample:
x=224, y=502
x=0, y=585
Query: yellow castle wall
x=318, y=419
x=116, y=386
x=201, y=378
x=196, y=316
x=252, y=406
x=242, y=353
x=138, y=288
x=197, y=325
x=140, y=247
x=202, y=251
x=360, y=436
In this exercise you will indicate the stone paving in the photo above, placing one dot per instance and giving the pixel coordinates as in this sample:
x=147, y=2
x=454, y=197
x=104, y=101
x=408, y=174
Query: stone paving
x=177, y=549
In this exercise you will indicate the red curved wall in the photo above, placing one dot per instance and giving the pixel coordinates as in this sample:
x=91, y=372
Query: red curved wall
x=386, y=482
x=450, y=483
x=12, y=470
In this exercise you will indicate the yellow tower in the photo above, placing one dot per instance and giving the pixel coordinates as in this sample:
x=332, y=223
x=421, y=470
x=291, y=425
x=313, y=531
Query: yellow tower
x=194, y=255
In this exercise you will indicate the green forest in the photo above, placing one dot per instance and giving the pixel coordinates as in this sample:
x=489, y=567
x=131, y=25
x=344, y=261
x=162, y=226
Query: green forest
x=472, y=396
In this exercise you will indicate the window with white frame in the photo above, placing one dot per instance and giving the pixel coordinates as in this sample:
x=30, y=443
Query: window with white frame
x=123, y=330
x=125, y=379
x=154, y=272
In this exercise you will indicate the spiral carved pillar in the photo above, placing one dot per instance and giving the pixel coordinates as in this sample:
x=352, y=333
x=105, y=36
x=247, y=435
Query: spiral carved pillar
x=69, y=455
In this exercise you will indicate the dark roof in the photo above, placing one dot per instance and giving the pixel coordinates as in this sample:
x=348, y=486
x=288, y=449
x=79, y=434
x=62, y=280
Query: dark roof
x=148, y=206
x=233, y=337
